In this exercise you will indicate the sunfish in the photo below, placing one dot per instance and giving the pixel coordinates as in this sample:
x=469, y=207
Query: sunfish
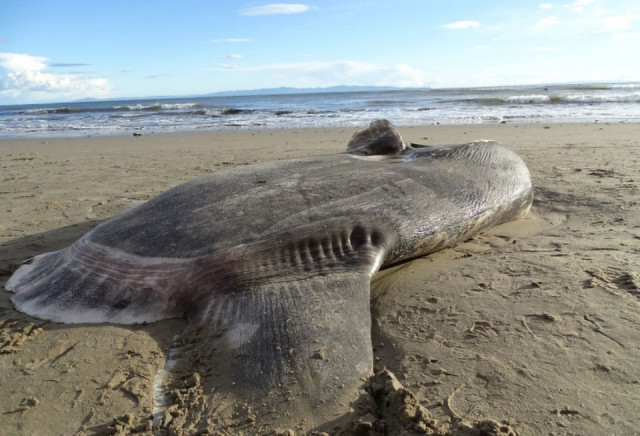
x=271, y=263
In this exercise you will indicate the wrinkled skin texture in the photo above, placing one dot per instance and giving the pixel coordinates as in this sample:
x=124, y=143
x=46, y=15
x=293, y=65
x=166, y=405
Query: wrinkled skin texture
x=271, y=263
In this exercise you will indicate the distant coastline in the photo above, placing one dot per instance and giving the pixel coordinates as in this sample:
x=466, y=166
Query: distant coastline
x=288, y=90
x=285, y=90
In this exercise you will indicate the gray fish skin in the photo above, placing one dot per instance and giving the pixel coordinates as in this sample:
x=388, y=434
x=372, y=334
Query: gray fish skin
x=271, y=263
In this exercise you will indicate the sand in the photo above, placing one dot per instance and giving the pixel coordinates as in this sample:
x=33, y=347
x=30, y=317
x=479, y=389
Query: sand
x=534, y=324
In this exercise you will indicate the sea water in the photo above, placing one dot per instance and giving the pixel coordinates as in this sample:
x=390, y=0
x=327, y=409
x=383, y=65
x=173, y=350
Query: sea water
x=588, y=103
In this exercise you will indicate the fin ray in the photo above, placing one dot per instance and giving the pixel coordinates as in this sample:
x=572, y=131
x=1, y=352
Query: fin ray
x=89, y=282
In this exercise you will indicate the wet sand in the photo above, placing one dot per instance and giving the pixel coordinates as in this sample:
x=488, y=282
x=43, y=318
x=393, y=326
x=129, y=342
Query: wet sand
x=534, y=324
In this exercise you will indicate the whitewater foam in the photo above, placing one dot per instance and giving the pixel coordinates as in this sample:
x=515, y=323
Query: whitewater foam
x=533, y=98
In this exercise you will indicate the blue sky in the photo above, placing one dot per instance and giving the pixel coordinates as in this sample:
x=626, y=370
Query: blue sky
x=66, y=50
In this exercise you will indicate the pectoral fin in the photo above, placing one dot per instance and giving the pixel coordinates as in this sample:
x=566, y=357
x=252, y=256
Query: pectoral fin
x=291, y=346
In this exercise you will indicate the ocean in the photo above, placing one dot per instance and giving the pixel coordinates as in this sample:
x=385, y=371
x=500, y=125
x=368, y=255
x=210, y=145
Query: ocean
x=584, y=103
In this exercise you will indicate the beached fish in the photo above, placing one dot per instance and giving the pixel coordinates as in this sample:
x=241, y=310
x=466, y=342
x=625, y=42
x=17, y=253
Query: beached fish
x=271, y=263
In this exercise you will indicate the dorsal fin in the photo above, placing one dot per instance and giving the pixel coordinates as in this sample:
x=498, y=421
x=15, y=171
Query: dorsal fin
x=380, y=138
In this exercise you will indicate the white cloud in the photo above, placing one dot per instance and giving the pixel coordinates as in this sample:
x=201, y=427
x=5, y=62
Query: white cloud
x=547, y=22
x=275, y=9
x=230, y=40
x=68, y=65
x=546, y=5
x=615, y=23
x=579, y=5
x=307, y=74
x=466, y=24
x=24, y=77
x=233, y=56
x=625, y=36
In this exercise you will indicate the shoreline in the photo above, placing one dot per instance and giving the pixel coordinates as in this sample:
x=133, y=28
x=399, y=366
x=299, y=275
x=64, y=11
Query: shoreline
x=320, y=139
x=137, y=133
x=533, y=322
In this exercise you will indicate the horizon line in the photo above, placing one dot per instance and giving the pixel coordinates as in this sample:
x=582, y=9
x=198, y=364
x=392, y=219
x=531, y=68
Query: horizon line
x=319, y=89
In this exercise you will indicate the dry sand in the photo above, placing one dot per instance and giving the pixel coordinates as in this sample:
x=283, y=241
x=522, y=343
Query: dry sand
x=535, y=323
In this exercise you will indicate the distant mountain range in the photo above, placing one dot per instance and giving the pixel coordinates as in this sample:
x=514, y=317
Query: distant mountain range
x=288, y=90
x=265, y=91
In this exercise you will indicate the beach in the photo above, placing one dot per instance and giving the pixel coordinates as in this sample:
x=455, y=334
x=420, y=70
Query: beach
x=533, y=324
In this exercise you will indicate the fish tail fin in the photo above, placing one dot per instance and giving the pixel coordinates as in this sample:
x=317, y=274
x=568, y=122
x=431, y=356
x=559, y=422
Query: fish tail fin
x=89, y=283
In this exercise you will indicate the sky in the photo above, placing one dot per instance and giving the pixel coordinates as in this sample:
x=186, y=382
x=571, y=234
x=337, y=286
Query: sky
x=66, y=50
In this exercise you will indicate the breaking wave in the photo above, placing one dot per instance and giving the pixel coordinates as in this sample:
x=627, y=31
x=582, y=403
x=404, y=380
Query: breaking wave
x=558, y=99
